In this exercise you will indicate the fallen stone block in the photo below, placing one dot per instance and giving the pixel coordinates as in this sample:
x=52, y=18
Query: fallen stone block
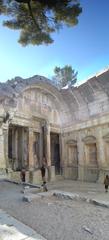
x=99, y=203
x=85, y=228
x=27, y=199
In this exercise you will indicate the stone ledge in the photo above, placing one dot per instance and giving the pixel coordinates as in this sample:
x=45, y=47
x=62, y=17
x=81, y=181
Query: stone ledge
x=29, y=197
x=74, y=196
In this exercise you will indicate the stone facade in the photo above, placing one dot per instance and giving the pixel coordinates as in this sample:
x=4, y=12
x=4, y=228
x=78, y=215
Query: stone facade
x=69, y=127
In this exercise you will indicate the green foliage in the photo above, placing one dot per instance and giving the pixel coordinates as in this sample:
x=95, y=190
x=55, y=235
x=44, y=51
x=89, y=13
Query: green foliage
x=38, y=19
x=65, y=76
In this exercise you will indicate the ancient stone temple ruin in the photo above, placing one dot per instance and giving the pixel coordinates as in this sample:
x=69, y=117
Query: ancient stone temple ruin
x=69, y=127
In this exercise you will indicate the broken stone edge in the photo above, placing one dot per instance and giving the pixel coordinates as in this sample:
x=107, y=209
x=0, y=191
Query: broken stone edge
x=66, y=196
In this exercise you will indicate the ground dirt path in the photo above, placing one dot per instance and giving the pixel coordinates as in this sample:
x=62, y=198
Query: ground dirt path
x=56, y=219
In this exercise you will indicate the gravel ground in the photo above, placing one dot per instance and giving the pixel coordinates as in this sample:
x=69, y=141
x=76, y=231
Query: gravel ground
x=56, y=219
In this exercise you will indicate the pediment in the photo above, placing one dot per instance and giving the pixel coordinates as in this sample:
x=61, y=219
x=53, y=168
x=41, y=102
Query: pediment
x=89, y=139
x=71, y=142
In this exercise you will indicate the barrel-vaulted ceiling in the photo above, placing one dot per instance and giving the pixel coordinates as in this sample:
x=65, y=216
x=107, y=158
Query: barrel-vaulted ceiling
x=74, y=104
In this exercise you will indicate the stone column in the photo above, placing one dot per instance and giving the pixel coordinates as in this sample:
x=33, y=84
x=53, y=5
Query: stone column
x=16, y=147
x=22, y=139
x=41, y=147
x=30, y=146
x=48, y=155
x=5, y=133
x=47, y=150
x=5, y=165
x=13, y=149
x=3, y=156
x=61, y=153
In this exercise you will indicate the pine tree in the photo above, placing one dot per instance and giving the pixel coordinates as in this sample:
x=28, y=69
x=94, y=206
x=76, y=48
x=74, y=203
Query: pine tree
x=38, y=19
x=65, y=76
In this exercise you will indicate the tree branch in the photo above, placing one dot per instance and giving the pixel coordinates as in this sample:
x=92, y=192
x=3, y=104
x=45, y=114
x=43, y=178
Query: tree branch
x=30, y=10
x=31, y=14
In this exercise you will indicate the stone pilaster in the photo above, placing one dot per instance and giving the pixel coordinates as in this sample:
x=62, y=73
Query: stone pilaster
x=81, y=158
x=100, y=149
x=101, y=158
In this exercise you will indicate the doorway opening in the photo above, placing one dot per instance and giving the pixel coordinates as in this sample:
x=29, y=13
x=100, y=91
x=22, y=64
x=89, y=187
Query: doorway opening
x=18, y=147
x=55, y=152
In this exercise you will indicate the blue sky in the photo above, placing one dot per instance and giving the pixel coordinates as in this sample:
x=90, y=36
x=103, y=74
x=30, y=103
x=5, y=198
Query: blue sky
x=85, y=47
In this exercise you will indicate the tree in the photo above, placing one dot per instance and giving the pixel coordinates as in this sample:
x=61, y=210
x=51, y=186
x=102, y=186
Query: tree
x=38, y=19
x=65, y=76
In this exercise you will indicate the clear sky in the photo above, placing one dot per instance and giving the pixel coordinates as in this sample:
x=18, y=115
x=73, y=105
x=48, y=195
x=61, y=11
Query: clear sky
x=85, y=47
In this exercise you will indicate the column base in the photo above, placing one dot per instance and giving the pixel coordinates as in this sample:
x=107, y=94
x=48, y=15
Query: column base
x=51, y=173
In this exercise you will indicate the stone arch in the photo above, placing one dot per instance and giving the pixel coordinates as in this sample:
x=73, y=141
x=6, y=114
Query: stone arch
x=50, y=103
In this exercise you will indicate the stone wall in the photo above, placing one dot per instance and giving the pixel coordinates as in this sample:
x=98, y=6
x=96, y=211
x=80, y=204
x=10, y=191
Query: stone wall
x=80, y=115
x=88, y=136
